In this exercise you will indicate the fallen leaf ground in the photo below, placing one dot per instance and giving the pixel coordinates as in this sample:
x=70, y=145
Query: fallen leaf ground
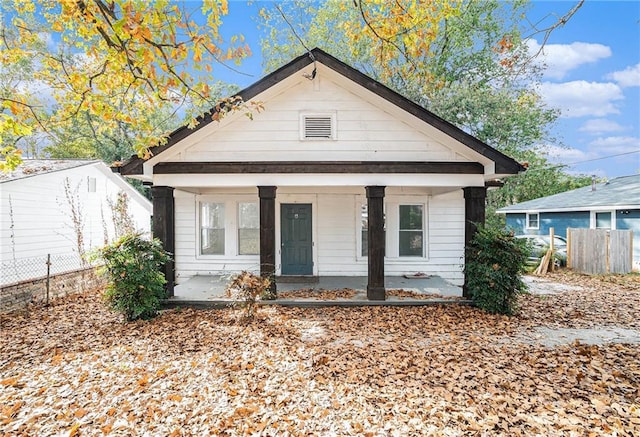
x=75, y=369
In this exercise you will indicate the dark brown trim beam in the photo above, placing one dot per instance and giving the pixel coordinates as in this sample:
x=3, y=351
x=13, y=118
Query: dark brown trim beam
x=267, y=195
x=474, y=215
x=289, y=167
x=164, y=229
x=376, y=240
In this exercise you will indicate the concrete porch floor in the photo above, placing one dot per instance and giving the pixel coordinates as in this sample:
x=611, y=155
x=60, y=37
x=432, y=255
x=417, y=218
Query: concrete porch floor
x=208, y=291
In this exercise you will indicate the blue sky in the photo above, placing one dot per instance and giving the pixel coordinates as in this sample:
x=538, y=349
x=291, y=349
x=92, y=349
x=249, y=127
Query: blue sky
x=592, y=77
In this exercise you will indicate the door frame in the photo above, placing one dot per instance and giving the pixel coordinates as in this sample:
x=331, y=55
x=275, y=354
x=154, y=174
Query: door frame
x=311, y=199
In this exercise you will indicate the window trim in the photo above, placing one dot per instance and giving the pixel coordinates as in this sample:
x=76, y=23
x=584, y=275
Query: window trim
x=231, y=224
x=238, y=228
x=328, y=114
x=392, y=226
x=528, y=220
x=594, y=223
x=199, y=228
x=422, y=256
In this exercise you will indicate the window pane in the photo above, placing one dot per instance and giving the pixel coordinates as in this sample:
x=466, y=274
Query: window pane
x=364, y=233
x=212, y=228
x=248, y=228
x=410, y=217
x=249, y=215
x=212, y=215
x=411, y=243
x=249, y=241
x=364, y=221
x=212, y=242
x=533, y=220
x=365, y=242
x=603, y=220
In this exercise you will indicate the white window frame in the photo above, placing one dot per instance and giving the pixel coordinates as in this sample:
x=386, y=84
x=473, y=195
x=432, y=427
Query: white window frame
x=231, y=224
x=257, y=203
x=392, y=227
x=199, y=228
x=594, y=223
x=424, y=231
x=332, y=115
x=528, y=224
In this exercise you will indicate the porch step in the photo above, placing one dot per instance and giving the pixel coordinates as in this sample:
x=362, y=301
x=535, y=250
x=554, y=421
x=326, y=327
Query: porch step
x=292, y=279
x=314, y=303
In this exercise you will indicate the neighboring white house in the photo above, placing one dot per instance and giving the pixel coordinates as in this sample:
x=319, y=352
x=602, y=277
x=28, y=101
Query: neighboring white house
x=39, y=202
x=339, y=175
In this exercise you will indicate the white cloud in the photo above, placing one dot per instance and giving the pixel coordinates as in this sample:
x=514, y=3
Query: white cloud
x=600, y=126
x=564, y=155
x=581, y=98
x=628, y=77
x=562, y=58
x=615, y=145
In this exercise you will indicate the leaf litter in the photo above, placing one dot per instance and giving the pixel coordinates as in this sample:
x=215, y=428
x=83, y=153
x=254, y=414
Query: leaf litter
x=75, y=369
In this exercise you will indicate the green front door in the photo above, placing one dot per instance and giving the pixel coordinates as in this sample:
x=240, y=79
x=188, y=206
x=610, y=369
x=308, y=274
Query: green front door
x=297, y=244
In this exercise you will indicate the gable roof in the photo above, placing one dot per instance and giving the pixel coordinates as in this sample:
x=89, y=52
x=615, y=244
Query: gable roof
x=619, y=192
x=503, y=163
x=35, y=167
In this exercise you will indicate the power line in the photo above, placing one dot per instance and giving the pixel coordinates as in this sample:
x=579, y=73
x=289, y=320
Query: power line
x=604, y=157
x=551, y=167
x=293, y=30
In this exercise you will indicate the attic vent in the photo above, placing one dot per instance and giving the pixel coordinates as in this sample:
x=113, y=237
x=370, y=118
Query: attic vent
x=318, y=127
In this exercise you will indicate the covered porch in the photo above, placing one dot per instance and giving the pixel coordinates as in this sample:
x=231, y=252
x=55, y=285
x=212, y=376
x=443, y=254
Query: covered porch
x=209, y=291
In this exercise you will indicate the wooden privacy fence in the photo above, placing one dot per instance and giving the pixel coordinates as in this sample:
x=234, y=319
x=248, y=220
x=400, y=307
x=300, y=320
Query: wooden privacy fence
x=600, y=251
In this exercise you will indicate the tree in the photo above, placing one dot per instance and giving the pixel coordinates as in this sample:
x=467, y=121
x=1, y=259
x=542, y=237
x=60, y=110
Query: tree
x=465, y=60
x=107, y=61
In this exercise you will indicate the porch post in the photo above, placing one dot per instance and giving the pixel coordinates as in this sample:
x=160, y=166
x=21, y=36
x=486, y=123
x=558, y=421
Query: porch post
x=474, y=212
x=267, y=196
x=164, y=229
x=376, y=240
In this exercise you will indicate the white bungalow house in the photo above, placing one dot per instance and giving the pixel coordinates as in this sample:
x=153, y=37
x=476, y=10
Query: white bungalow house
x=62, y=208
x=338, y=176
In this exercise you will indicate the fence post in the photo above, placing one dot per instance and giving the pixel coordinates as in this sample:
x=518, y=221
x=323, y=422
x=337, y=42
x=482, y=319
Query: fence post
x=48, y=276
x=568, y=248
x=607, y=248
x=552, y=236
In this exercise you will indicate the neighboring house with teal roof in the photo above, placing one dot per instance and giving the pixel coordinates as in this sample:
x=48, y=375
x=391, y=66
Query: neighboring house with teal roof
x=614, y=204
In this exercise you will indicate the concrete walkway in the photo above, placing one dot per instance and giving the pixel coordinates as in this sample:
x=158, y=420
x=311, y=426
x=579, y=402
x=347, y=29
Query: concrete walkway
x=209, y=291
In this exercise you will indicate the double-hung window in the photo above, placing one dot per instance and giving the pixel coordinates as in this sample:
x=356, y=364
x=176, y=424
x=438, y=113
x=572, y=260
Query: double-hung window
x=411, y=230
x=248, y=228
x=603, y=220
x=212, y=220
x=533, y=220
x=405, y=233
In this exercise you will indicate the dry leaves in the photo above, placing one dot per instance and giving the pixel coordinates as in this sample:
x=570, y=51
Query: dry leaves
x=76, y=369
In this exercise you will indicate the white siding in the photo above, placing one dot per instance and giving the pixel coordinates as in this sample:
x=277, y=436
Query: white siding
x=336, y=232
x=35, y=214
x=364, y=132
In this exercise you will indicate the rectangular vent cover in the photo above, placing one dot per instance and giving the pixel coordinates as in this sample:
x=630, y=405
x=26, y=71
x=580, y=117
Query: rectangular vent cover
x=318, y=127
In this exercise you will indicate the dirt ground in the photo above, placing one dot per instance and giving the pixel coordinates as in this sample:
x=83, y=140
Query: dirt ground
x=567, y=364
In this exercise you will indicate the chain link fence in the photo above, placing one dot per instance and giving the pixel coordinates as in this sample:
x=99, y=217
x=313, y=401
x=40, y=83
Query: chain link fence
x=38, y=279
x=27, y=269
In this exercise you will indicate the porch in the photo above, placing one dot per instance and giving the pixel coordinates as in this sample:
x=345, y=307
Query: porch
x=348, y=291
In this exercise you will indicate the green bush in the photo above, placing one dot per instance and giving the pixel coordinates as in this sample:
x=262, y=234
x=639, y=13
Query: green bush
x=136, y=283
x=495, y=264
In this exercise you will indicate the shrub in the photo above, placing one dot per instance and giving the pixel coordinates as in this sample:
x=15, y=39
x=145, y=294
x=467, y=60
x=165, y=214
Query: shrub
x=247, y=288
x=495, y=264
x=136, y=283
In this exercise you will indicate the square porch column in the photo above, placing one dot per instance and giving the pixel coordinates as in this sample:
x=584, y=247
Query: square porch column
x=267, y=195
x=376, y=240
x=474, y=213
x=164, y=229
